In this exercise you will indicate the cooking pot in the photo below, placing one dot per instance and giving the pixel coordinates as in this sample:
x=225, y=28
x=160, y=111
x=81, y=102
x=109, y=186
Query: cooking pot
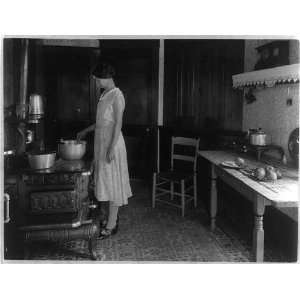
x=41, y=160
x=257, y=137
x=71, y=149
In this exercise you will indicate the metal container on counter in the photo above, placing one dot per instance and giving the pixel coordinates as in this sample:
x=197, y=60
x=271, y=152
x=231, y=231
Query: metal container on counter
x=257, y=137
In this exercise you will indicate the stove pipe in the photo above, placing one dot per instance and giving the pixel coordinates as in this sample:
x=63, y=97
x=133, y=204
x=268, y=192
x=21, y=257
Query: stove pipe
x=22, y=109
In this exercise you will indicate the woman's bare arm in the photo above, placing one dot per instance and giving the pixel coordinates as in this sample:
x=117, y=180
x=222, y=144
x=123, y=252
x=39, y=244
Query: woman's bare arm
x=85, y=131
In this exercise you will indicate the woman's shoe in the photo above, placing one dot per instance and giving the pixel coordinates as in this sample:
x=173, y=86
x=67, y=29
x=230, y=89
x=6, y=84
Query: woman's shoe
x=103, y=224
x=105, y=233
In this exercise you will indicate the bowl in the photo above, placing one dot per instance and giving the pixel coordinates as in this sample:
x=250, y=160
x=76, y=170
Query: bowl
x=41, y=160
x=71, y=149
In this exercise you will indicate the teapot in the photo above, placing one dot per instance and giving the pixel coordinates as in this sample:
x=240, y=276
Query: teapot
x=257, y=137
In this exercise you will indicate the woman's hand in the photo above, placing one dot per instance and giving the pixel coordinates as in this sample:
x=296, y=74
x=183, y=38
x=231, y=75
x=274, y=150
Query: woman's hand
x=81, y=135
x=110, y=154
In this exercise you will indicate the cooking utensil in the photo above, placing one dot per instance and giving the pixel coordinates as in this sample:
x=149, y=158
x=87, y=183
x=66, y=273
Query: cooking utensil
x=36, y=106
x=41, y=160
x=258, y=137
x=293, y=145
x=71, y=149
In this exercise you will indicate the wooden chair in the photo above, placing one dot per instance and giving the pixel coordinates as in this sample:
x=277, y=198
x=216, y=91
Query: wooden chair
x=186, y=180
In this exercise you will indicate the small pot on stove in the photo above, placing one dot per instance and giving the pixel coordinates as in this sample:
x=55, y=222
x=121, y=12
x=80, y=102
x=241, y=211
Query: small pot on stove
x=257, y=137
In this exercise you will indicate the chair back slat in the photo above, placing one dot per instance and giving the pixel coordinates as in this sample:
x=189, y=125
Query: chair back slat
x=183, y=157
x=183, y=141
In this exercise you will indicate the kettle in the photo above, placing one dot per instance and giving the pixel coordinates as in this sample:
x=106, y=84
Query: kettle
x=36, y=106
x=257, y=137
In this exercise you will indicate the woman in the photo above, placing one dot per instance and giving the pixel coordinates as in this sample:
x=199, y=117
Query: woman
x=110, y=159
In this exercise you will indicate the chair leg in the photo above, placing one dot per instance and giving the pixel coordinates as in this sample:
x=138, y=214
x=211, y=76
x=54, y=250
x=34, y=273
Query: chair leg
x=195, y=190
x=172, y=190
x=182, y=198
x=153, y=190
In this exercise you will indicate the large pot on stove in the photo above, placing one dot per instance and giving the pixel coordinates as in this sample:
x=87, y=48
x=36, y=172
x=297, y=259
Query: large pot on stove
x=71, y=149
x=41, y=160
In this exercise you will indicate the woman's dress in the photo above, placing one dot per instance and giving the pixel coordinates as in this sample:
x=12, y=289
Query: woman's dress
x=111, y=179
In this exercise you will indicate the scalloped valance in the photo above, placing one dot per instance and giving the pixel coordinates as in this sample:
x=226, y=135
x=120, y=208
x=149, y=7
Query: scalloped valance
x=267, y=77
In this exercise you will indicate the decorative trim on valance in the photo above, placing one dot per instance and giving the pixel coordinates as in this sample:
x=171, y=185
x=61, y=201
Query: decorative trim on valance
x=267, y=77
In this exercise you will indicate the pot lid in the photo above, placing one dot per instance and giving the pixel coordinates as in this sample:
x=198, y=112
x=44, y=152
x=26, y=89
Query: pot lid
x=256, y=131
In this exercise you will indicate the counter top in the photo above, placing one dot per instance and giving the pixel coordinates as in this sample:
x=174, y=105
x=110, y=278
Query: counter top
x=280, y=193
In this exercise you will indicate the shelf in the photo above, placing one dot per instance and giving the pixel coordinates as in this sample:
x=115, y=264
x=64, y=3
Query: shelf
x=267, y=77
x=67, y=42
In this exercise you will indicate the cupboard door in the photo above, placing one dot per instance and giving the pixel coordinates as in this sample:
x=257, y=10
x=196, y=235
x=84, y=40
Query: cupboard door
x=198, y=89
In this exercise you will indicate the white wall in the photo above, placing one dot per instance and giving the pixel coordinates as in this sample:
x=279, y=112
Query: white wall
x=270, y=110
x=271, y=113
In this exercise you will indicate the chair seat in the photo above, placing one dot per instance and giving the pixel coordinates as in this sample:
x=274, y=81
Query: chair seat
x=174, y=176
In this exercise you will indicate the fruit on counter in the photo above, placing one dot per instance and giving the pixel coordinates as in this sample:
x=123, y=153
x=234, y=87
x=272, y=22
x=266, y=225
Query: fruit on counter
x=268, y=173
x=240, y=161
x=271, y=175
x=260, y=173
x=269, y=168
x=278, y=173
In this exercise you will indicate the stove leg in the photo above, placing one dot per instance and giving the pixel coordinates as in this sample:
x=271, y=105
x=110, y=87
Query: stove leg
x=92, y=250
x=26, y=251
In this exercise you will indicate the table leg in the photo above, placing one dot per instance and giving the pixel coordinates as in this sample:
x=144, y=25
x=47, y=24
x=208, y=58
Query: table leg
x=213, y=198
x=258, y=230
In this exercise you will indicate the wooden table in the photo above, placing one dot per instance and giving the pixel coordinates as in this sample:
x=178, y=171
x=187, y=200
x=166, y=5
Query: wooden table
x=279, y=193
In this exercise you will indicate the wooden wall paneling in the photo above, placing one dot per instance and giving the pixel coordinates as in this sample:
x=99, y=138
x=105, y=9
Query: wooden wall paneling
x=39, y=71
x=93, y=99
x=171, y=87
x=233, y=98
x=201, y=82
x=181, y=80
x=202, y=93
x=161, y=82
x=219, y=86
x=177, y=89
x=134, y=60
x=197, y=95
x=73, y=84
x=94, y=91
x=9, y=72
x=195, y=100
x=154, y=84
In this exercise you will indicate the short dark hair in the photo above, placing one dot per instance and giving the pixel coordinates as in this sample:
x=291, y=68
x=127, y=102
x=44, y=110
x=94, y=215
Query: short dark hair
x=104, y=70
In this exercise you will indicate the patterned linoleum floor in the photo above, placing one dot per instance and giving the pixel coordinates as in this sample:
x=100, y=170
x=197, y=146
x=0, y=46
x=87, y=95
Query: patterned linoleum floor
x=159, y=235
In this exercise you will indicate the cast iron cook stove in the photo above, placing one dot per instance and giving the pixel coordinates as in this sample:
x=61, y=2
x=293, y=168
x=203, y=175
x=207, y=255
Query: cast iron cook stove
x=55, y=205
